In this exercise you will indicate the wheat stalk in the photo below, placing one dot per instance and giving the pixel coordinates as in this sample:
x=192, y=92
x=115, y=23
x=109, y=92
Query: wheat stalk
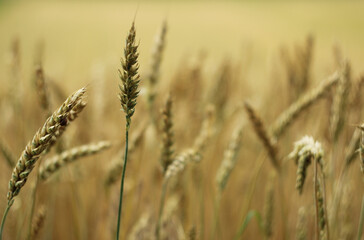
x=268, y=210
x=37, y=146
x=115, y=168
x=361, y=148
x=128, y=98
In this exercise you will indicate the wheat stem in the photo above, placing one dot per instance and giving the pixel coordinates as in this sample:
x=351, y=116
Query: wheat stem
x=34, y=196
x=361, y=221
x=161, y=207
x=10, y=202
x=122, y=182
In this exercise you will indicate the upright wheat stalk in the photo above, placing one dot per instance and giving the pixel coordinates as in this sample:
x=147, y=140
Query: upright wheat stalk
x=128, y=97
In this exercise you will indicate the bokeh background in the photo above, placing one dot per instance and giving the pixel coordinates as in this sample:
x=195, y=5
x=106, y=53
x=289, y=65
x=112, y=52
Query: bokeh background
x=82, y=43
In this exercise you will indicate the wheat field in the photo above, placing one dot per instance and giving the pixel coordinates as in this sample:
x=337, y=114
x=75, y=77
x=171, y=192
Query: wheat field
x=182, y=120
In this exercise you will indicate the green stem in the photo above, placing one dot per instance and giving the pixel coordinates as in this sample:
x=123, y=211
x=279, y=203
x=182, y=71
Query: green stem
x=122, y=182
x=4, y=218
x=161, y=207
x=361, y=221
x=216, y=215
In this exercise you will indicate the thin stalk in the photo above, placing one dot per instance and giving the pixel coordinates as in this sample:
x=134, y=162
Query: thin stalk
x=202, y=210
x=161, y=207
x=32, y=207
x=282, y=203
x=245, y=210
x=316, y=202
x=3, y=219
x=216, y=214
x=325, y=206
x=122, y=182
x=361, y=221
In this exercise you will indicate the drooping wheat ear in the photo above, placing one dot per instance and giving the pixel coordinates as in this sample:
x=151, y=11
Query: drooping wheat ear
x=286, y=118
x=156, y=59
x=129, y=76
x=41, y=87
x=10, y=159
x=230, y=158
x=321, y=211
x=268, y=210
x=263, y=135
x=339, y=104
x=38, y=222
x=361, y=148
x=53, y=164
x=115, y=168
x=301, y=228
x=40, y=143
x=73, y=114
x=304, y=152
x=168, y=135
x=180, y=161
x=351, y=151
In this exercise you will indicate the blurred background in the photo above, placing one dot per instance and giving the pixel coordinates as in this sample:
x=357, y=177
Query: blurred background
x=219, y=52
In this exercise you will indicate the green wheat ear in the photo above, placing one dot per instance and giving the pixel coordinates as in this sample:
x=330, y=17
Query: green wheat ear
x=129, y=76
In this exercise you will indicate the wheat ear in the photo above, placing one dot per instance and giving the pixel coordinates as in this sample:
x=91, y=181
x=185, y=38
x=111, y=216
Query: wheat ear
x=168, y=134
x=37, y=146
x=301, y=227
x=340, y=102
x=263, y=135
x=305, y=151
x=53, y=164
x=38, y=222
x=156, y=59
x=42, y=90
x=178, y=164
x=229, y=161
x=286, y=118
